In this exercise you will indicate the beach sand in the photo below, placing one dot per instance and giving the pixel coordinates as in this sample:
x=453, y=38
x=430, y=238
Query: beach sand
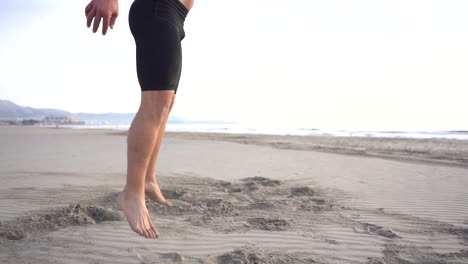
x=237, y=199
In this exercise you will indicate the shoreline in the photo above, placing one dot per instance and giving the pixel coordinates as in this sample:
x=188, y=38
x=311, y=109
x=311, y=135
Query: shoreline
x=447, y=152
x=436, y=151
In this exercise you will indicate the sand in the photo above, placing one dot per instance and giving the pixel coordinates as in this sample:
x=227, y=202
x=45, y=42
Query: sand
x=237, y=199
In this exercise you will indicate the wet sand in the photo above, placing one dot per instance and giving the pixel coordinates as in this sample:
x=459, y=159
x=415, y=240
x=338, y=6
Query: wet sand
x=237, y=199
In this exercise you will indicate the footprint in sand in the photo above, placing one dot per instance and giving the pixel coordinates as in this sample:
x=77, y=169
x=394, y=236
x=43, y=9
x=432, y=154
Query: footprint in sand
x=269, y=224
x=371, y=229
x=254, y=183
x=250, y=255
x=72, y=215
x=302, y=191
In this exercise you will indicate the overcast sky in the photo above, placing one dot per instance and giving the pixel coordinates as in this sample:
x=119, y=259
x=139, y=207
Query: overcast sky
x=387, y=65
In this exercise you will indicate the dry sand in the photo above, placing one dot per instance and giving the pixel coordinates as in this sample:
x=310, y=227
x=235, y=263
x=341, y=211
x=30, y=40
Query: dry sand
x=270, y=199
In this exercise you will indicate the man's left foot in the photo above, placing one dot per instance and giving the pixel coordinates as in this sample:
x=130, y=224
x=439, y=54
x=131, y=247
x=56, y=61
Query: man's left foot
x=153, y=192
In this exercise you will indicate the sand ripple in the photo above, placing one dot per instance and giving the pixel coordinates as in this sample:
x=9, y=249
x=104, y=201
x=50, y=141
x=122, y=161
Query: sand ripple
x=254, y=220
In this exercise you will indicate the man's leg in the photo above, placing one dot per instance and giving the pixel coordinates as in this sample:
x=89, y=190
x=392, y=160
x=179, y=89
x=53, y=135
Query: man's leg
x=152, y=188
x=141, y=141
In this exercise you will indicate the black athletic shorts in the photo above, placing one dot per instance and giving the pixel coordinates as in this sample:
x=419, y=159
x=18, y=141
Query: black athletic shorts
x=158, y=29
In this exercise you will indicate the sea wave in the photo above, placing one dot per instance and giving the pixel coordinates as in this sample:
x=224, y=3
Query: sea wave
x=233, y=128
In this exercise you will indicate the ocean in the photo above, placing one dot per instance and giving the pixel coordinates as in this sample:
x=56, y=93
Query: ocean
x=235, y=128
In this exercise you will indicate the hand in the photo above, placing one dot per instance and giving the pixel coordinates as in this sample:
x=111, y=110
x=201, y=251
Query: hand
x=107, y=10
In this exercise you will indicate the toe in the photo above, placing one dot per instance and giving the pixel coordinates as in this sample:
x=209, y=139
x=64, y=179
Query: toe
x=146, y=234
x=138, y=231
x=156, y=232
x=153, y=228
x=147, y=228
x=152, y=233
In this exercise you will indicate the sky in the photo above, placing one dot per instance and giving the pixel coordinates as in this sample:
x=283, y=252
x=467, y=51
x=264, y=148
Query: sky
x=368, y=65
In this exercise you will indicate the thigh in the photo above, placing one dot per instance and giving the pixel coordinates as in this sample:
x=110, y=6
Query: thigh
x=159, y=57
x=158, y=49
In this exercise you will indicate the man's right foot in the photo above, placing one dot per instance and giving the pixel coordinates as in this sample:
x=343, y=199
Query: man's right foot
x=137, y=214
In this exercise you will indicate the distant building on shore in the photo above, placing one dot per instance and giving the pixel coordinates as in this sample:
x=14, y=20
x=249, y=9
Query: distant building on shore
x=47, y=121
x=61, y=120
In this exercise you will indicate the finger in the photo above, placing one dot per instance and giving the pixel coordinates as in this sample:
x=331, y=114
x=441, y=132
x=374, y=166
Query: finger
x=97, y=21
x=88, y=8
x=105, y=24
x=112, y=21
x=90, y=17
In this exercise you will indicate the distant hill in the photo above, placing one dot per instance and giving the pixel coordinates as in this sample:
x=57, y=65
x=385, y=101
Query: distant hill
x=12, y=111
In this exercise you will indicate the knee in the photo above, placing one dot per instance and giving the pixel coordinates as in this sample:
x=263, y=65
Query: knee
x=156, y=105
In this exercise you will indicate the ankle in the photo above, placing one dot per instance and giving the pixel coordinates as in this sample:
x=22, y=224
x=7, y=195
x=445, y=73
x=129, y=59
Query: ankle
x=151, y=182
x=129, y=194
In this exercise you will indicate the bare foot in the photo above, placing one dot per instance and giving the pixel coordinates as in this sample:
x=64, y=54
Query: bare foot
x=153, y=192
x=137, y=214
